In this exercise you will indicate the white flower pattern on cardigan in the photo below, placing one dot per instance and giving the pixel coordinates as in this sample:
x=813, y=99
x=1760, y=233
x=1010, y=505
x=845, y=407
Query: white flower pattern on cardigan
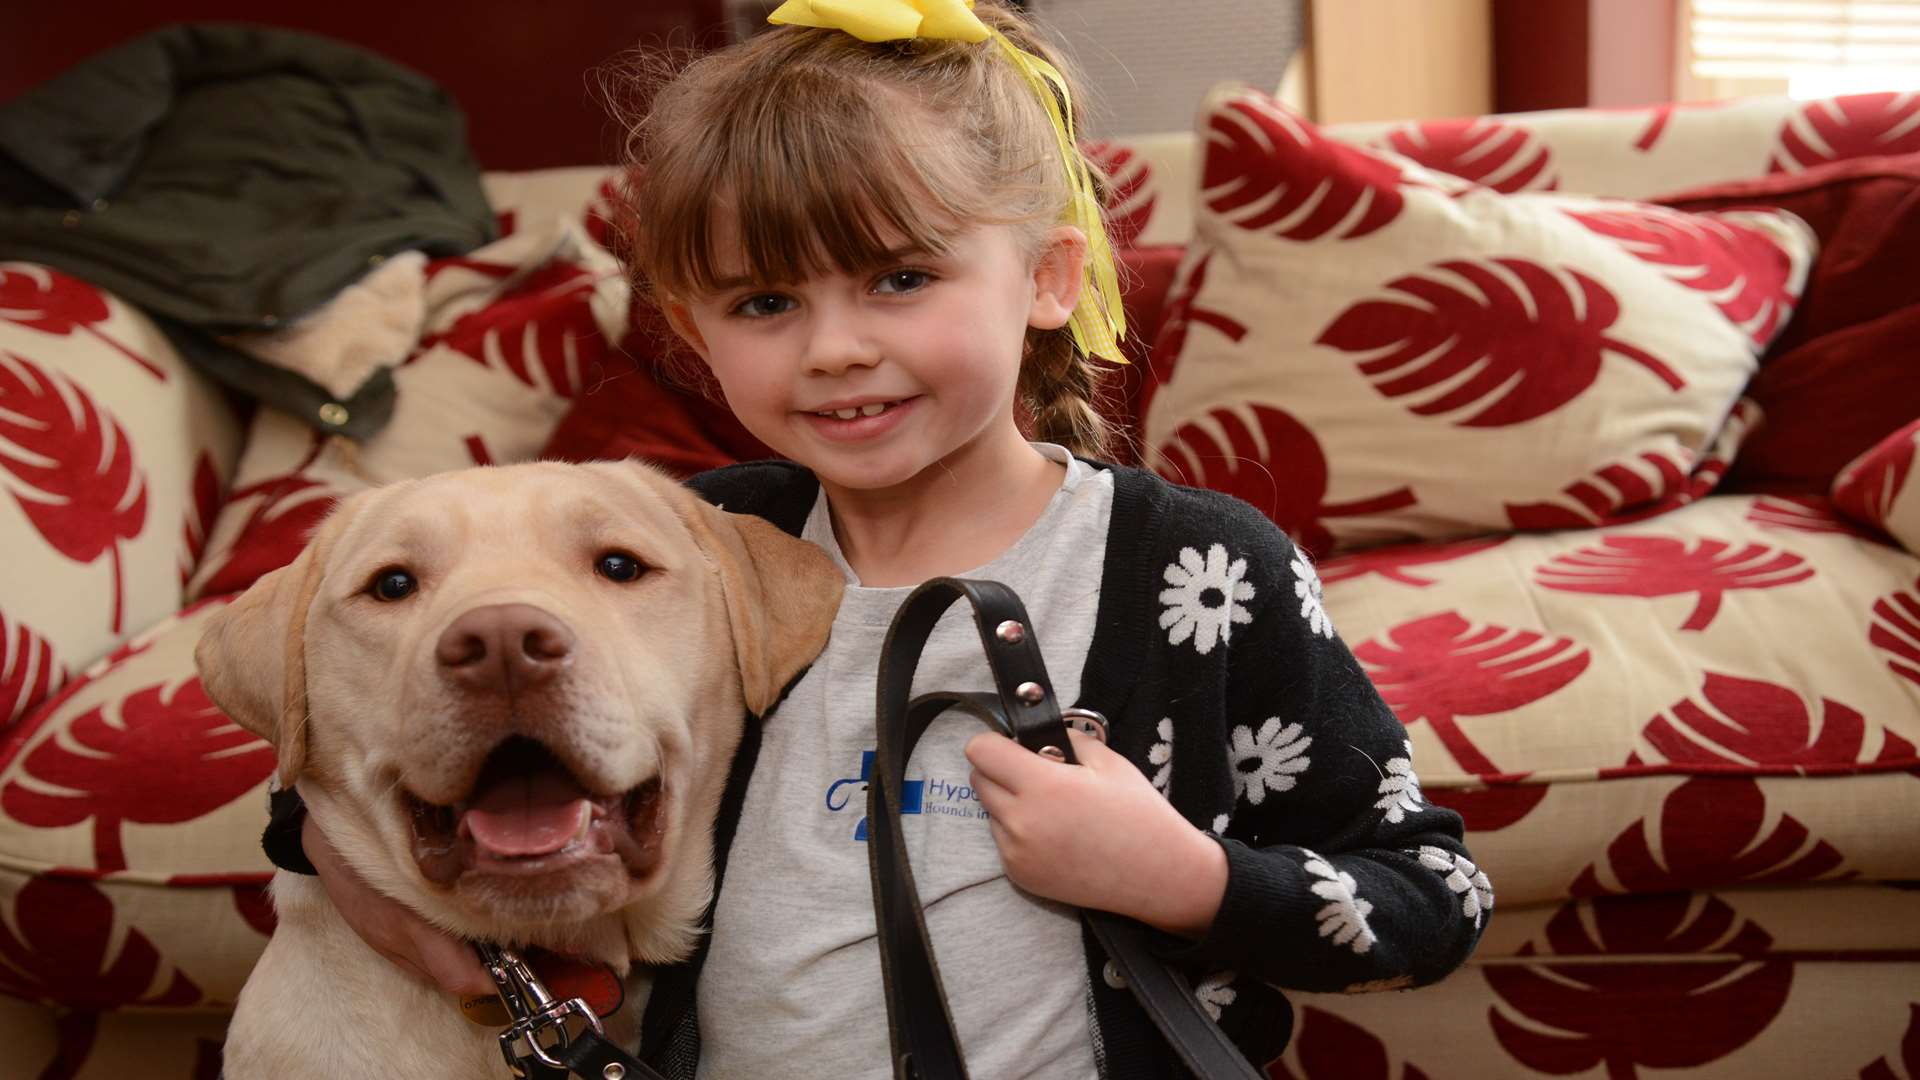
x=1191, y=610
x=1162, y=755
x=1344, y=917
x=1400, y=789
x=1306, y=589
x=1216, y=992
x=1268, y=760
x=1464, y=878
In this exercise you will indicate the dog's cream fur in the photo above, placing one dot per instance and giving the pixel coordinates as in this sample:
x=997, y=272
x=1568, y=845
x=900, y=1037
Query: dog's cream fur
x=348, y=689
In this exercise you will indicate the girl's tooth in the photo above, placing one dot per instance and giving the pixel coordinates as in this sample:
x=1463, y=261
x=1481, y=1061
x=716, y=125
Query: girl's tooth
x=846, y=414
x=874, y=409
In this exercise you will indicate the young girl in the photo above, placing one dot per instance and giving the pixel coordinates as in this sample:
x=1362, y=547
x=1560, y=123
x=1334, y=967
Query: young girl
x=882, y=251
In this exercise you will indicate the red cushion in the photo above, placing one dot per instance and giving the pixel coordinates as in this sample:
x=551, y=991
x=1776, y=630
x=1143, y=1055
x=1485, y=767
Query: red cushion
x=1846, y=371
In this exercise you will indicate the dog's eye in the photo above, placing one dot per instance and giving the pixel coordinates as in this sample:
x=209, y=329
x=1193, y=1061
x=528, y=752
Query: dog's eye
x=392, y=584
x=618, y=566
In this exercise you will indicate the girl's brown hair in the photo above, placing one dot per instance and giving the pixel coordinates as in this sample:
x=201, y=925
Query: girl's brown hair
x=828, y=151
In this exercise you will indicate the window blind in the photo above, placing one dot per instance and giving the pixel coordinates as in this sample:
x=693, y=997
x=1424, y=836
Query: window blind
x=1779, y=39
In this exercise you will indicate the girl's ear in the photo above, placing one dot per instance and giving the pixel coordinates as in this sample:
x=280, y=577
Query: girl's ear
x=681, y=319
x=1056, y=277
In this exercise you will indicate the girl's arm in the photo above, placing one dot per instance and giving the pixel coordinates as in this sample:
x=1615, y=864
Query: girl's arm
x=1340, y=874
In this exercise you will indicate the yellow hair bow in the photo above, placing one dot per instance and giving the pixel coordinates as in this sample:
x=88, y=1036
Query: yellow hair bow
x=1099, y=320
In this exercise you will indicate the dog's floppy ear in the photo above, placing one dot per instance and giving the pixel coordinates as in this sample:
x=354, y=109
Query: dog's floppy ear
x=781, y=592
x=252, y=656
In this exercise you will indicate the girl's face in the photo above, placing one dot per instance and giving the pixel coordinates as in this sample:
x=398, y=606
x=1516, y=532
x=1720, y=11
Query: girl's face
x=871, y=378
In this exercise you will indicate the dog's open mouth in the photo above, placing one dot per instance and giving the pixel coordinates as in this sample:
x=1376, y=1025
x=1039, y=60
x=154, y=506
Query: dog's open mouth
x=528, y=815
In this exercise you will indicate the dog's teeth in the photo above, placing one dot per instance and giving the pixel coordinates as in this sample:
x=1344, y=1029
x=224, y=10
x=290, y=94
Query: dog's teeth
x=586, y=821
x=874, y=409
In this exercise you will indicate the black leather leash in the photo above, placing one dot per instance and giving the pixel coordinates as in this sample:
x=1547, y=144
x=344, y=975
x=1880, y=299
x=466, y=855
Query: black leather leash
x=920, y=1025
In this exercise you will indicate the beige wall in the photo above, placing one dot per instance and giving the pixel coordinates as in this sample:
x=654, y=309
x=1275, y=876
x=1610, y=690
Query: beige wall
x=1400, y=59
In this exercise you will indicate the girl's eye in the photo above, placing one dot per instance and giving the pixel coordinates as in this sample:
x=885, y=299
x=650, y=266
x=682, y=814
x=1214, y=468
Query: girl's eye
x=392, y=584
x=902, y=281
x=619, y=566
x=763, y=306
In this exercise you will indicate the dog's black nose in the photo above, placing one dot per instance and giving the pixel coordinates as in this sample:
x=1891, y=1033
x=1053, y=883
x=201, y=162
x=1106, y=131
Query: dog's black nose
x=504, y=647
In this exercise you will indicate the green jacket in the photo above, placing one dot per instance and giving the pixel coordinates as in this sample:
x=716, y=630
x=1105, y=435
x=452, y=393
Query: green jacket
x=227, y=177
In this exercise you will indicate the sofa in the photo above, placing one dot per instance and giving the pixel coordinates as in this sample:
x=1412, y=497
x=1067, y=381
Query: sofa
x=1612, y=494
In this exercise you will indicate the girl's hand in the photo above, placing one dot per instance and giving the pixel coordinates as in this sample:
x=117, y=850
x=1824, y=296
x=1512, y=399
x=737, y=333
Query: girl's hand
x=390, y=928
x=1097, y=834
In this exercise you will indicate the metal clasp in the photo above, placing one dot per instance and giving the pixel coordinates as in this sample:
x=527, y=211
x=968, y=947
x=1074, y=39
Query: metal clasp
x=1086, y=722
x=539, y=1020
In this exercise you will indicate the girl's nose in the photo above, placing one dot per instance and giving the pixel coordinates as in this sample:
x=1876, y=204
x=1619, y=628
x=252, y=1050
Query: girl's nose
x=838, y=342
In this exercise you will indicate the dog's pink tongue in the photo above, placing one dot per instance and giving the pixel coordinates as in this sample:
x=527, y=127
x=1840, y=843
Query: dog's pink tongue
x=524, y=816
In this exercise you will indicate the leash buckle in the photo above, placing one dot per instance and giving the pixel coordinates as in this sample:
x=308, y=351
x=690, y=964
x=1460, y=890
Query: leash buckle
x=539, y=1028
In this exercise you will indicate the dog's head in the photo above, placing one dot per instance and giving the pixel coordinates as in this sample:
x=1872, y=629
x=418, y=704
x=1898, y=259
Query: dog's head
x=510, y=695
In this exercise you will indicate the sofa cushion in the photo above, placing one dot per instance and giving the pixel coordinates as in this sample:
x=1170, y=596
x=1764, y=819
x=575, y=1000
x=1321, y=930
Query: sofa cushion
x=130, y=812
x=1846, y=371
x=1368, y=351
x=113, y=457
x=1880, y=489
x=1721, y=695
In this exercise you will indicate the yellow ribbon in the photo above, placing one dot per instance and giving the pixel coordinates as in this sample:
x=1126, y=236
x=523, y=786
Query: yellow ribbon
x=1099, y=320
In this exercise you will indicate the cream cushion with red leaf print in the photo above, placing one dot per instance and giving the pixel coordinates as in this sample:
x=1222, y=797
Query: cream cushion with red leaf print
x=1736, y=984
x=113, y=457
x=514, y=331
x=132, y=804
x=1618, y=710
x=1369, y=351
x=1881, y=487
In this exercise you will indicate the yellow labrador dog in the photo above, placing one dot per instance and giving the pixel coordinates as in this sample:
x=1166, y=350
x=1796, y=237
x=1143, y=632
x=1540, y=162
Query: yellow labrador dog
x=509, y=696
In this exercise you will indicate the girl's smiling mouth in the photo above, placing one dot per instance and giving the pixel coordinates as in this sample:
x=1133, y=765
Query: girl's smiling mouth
x=854, y=421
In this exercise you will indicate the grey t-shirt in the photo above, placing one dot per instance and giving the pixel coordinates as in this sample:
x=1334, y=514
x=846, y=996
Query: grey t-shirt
x=792, y=984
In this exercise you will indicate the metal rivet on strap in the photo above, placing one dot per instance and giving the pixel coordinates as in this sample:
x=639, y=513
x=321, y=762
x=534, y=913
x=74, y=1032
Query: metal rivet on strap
x=1013, y=632
x=1030, y=692
x=1054, y=753
x=333, y=414
x=70, y=218
x=614, y=1071
x=1113, y=977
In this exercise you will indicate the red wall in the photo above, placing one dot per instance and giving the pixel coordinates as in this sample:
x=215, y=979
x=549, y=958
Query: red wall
x=519, y=69
x=1561, y=54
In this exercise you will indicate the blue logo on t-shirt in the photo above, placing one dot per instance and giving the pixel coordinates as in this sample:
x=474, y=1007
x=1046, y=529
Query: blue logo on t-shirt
x=838, y=795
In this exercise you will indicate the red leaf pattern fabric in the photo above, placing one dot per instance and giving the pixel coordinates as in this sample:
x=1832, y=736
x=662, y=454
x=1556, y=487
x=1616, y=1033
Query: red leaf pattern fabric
x=74, y=472
x=1267, y=170
x=1490, y=809
x=291, y=507
x=159, y=758
x=1867, y=489
x=1712, y=832
x=1748, y=726
x=1800, y=513
x=1442, y=667
x=61, y=954
x=1655, y=485
x=542, y=330
x=1181, y=313
x=1249, y=461
x=1130, y=195
x=1857, y=125
x=1327, y=1047
x=1393, y=561
x=52, y=302
x=1747, y=274
x=1562, y=1018
x=1895, y=631
x=1492, y=343
x=1497, y=154
x=28, y=670
x=1908, y=1056
x=1654, y=566
x=198, y=523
